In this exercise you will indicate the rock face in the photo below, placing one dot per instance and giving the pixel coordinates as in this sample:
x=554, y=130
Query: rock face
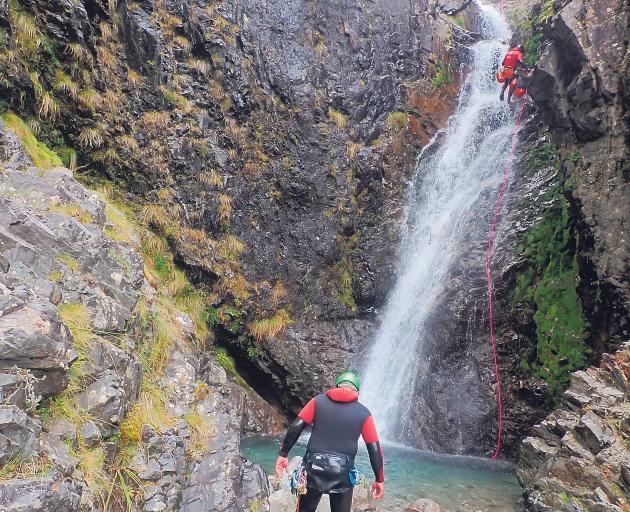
x=577, y=459
x=71, y=344
x=277, y=138
x=581, y=87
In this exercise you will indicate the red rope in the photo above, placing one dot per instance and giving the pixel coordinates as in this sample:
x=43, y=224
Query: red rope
x=493, y=225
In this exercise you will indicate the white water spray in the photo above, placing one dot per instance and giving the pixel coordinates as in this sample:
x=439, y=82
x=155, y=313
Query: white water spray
x=443, y=201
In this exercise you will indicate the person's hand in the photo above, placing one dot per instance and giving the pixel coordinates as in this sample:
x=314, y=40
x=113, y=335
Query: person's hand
x=378, y=489
x=282, y=465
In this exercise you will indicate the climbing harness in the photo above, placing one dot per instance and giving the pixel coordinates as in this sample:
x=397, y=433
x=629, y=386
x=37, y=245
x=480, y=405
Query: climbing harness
x=493, y=225
x=298, y=481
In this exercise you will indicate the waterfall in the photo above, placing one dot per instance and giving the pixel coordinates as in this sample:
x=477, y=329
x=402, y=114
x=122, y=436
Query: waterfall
x=452, y=184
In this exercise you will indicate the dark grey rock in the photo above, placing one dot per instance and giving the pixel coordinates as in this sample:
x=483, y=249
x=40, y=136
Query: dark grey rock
x=19, y=434
x=12, y=390
x=48, y=494
x=90, y=433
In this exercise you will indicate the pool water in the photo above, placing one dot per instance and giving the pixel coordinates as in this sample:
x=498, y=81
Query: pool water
x=460, y=484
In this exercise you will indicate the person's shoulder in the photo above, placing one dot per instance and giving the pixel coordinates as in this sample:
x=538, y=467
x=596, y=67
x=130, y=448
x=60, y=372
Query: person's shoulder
x=364, y=409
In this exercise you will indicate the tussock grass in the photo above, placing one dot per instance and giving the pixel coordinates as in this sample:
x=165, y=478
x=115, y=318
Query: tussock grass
x=230, y=248
x=271, y=327
x=89, y=99
x=224, y=209
x=352, y=149
x=64, y=83
x=235, y=285
x=27, y=36
x=397, y=120
x=16, y=467
x=78, y=52
x=48, y=105
x=92, y=466
x=67, y=260
x=150, y=409
x=211, y=178
x=155, y=120
x=201, y=428
x=72, y=210
x=65, y=406
x=78, y=319
x=40, y=154
x=338, y=119
x=129, y=143
x=278, y=293
x=91, y=137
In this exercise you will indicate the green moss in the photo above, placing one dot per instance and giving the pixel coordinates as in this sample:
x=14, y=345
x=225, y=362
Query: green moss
x=228, y=363
x=163, y=267
x=68, y=156
x=442, y=76
x=346, y=293
x=40, y=154
x=457, y=20
x=548, y=284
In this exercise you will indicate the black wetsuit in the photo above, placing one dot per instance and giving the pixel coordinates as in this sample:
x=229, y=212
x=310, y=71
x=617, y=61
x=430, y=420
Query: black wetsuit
x=338, y=420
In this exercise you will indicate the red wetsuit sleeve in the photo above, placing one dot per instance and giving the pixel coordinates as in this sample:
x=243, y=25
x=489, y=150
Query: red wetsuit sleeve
x=308, y=412
x=368, y=432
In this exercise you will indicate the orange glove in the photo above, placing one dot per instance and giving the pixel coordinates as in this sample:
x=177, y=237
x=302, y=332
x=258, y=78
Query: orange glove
x=282, y=465
x=378, y=489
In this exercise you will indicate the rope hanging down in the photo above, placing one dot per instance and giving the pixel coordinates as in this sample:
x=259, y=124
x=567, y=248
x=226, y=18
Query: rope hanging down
x=493, y=225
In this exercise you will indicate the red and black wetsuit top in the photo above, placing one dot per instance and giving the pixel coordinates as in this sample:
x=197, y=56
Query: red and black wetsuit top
x=338, y=420
x=513, y=58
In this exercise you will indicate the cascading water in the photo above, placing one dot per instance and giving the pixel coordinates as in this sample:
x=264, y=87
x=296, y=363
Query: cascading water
x=446, y=197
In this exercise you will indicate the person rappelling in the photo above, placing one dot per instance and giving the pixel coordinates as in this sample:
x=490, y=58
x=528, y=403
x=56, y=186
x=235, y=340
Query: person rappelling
x=338, y=420
x=512, y=67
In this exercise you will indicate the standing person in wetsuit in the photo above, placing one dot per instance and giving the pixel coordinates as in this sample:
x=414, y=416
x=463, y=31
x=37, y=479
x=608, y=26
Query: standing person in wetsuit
x=337, y=420
x=512, y=66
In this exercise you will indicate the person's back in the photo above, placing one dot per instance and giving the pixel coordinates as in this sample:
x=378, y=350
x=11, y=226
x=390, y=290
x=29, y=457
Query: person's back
x=337, y=420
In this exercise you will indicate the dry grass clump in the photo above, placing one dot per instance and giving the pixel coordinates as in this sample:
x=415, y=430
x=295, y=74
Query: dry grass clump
x=91, y=137
x=397, y=120
x=236, y=286
x=338, y=119
x=26, y=34
x=128, y=142
x=78, y=52
x=352, y=149
x=278, y=293
x=155, y=120
x=230, y=248
x=72, y=210
x=134, y=78
x=48, y=105
x=64, y=83
x=201, y=428
x=271, y=327
x=201, y=66
x=224, y=209
x=211, y=178
x=150, y=409
x=89, y=99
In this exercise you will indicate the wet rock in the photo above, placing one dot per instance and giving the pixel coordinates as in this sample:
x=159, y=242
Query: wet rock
x=90, y=433
x=594, y=432
x=32, y=335
x=61, y=428
x=12, y=390
x=45, y=494
x=588, y=464
x=424, y=505
x=19, y=434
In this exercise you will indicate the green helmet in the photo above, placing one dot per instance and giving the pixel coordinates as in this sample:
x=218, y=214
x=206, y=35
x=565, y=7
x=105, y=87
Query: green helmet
x=350, y=377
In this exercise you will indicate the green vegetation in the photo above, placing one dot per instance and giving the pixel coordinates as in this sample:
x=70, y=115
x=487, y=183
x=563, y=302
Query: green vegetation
x=457, y=20
x=549, y=283
x=270, y=327
x=397, y=120
x=531, y=31
x=40, y=154
x=443, y=75
x=227, y=363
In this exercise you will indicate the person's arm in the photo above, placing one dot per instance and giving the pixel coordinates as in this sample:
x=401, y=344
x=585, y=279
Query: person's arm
x=370, y=436
x=304, y=418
